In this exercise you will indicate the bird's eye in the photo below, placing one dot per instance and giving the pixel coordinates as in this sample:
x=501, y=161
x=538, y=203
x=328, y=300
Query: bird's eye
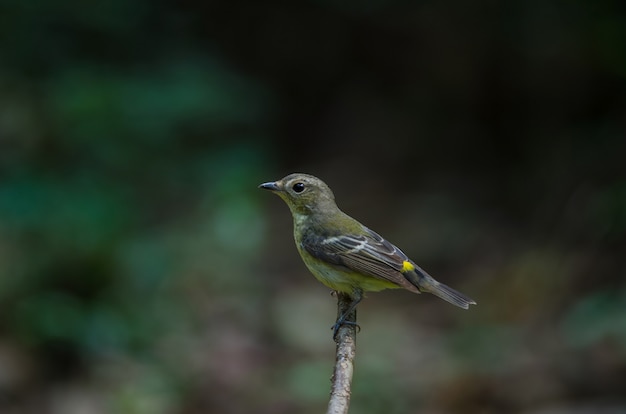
x=298, y=187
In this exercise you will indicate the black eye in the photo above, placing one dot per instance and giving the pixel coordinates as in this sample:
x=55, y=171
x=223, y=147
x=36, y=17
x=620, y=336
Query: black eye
x=298, y=187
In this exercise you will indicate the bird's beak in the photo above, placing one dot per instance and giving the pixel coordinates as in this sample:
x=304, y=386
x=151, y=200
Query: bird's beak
x=272, y=186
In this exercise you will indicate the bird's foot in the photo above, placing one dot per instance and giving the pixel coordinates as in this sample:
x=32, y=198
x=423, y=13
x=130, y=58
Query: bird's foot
x=341, y=322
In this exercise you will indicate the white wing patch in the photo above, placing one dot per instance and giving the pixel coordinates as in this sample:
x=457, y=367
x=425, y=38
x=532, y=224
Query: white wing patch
x=359, y=244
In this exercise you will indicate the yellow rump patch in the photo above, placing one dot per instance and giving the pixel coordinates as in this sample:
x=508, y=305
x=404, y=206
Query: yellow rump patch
x=407, y=266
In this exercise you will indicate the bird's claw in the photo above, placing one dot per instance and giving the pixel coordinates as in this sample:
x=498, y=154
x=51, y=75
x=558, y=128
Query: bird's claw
x=338, y=325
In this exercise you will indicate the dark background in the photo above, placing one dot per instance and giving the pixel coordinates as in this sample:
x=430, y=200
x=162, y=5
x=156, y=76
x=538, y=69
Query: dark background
x=142, y=271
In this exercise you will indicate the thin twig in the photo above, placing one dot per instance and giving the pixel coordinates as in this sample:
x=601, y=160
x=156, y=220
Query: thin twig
x=346, y=349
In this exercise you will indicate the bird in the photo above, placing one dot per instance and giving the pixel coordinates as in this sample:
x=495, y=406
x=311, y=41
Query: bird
x=344, y=254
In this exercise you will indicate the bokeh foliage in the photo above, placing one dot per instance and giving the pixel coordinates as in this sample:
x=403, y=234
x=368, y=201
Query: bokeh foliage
x=141, y=271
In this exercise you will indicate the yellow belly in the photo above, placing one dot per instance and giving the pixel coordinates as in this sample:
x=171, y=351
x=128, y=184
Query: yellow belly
x=343, y=281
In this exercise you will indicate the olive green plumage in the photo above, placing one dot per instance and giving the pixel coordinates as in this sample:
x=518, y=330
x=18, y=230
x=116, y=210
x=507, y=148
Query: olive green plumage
x=345, y=255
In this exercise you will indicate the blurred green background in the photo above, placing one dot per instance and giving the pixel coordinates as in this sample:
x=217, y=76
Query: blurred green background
x=142, y=271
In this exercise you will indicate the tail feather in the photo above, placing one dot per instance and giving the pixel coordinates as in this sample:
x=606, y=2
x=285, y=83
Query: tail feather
x=450, y=295
x=425, y=283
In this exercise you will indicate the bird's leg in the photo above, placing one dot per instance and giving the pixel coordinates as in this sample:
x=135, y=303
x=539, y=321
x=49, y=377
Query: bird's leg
x=356, y=297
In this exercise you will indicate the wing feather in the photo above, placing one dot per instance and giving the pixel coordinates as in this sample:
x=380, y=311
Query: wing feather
x=368, y=254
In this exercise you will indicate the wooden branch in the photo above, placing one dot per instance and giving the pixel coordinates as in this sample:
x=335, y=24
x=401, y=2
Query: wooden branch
x=346, y=348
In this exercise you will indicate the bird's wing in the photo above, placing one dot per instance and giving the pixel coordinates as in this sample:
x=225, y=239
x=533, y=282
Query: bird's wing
x=368, y=254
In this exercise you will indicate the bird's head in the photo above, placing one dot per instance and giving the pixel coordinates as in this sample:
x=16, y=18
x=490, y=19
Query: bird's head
x=303, y=193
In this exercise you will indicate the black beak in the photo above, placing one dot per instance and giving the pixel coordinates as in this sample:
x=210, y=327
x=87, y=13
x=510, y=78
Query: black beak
x=270, y=186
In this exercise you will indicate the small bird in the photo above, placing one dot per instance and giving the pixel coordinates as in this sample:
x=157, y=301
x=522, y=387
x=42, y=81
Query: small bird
x=345, y=255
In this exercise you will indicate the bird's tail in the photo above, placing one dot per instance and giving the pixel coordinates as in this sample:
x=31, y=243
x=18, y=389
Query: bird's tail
x=425, y=283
